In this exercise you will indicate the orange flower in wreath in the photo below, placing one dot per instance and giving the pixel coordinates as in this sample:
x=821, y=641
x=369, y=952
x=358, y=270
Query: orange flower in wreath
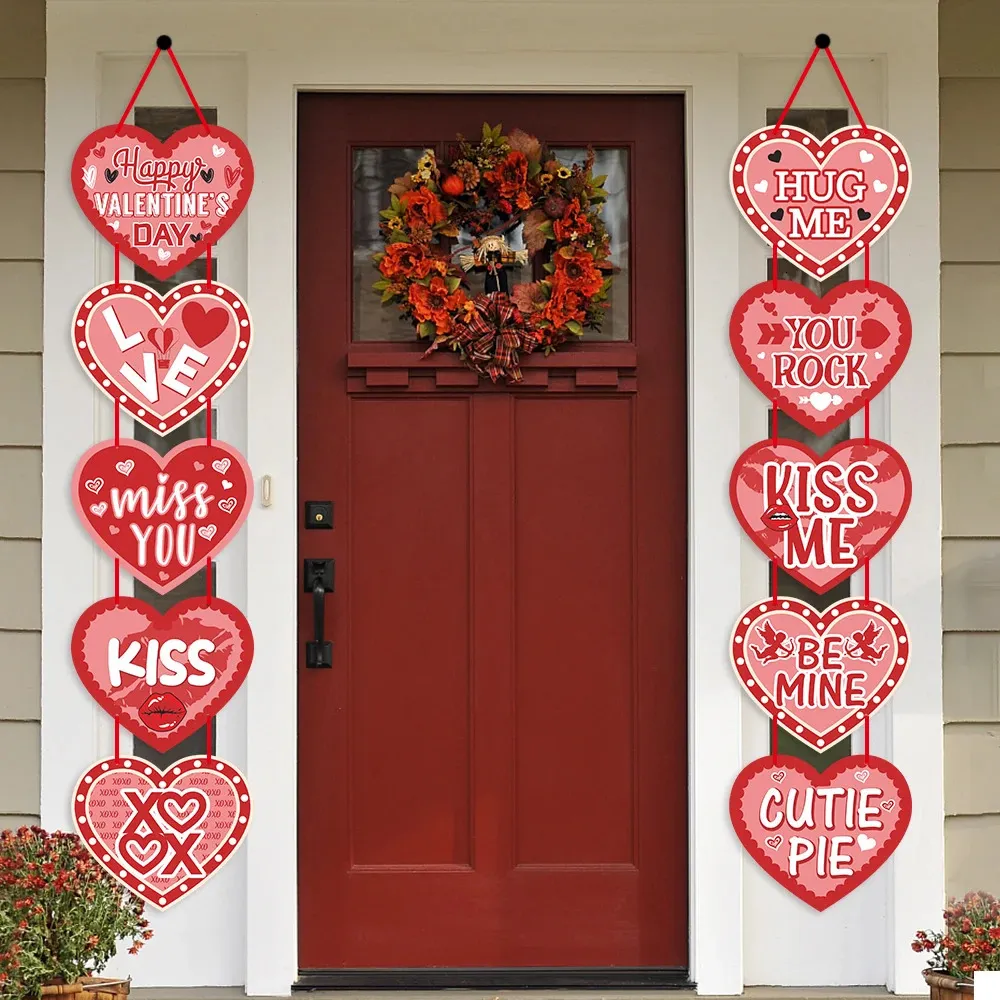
x=409, y=260
x=564, y=305
x=423, y=208
x=510, y=177
x=576, y=271
x=433, y=303
x=573, y=224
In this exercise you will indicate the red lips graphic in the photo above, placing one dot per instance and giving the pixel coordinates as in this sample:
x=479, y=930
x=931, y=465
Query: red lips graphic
x=779, y=516
x=162, y=711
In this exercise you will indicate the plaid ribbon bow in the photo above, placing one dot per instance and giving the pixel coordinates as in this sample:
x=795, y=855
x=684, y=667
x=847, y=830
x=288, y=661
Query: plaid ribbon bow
x=493, y=338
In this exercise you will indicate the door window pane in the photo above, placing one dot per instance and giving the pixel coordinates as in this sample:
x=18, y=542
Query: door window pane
x=820, y=122
x=376, y=167
x=163, y=122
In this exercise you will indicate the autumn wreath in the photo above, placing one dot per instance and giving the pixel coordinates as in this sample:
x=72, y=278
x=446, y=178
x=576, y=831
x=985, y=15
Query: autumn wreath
x=463, y=208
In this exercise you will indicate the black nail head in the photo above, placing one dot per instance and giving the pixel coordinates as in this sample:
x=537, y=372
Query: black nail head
x=822, y=41
x=207, y=175
x=775, y=157
x=164, y=42
x=778, y=214
x=862, y=214
x=110, y=175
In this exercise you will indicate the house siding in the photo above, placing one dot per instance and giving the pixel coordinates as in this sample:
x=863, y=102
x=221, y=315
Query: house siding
x=22, y=111
x=969, y=67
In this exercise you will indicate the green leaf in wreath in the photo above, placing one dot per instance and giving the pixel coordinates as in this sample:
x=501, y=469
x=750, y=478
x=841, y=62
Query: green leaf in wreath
x=574, y=327
x=548, y=267
x=388, y=213
x=598, y=182
x=388, y=295
x=381, y=284
x=534, y=168
x=546, y=229
x=453, y=283
x=426, y=329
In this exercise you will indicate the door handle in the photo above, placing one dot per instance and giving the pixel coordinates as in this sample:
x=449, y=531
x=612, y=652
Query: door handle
x=318, y=580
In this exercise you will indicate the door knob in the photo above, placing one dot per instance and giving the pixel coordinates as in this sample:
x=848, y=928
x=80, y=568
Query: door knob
x=318, y=580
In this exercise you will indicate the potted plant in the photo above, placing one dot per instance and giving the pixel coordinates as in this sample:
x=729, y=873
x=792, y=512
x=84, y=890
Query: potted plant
x=970, y=943
x=61, y=918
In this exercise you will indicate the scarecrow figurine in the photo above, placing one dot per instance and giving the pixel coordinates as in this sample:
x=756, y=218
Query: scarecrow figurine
x=492, y=254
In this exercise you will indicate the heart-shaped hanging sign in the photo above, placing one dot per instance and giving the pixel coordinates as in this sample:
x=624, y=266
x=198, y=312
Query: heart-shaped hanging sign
x=162, y=358
x=162, y=834
x=820, y=835
x=821, y=518
x=821, y=359
x=162, y=676
x=163, y=517
x=820, y=203
x=158, y=202
x=820, y=675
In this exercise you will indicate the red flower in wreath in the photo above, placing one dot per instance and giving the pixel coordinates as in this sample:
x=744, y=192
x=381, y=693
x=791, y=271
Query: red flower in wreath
x=576, y=271
x=573, y=224
x=409, y=260
x=510, y=177
x=423, y=208
x=433, y=303
x=564, y=306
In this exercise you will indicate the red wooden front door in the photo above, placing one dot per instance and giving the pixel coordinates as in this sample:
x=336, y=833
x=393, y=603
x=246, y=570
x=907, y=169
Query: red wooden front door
x=493, y=772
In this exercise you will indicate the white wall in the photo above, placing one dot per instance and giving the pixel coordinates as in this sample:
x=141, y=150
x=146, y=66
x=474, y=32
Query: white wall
x=247, y=58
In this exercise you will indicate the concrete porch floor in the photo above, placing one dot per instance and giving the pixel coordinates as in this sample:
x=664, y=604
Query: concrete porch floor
x=753, y=993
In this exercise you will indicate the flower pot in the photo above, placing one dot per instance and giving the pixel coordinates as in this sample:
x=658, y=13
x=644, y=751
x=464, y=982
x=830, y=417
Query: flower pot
x=88, y=988
x=947, y=987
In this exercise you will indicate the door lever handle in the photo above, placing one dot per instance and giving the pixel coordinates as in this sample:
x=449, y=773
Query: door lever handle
x=318, y=580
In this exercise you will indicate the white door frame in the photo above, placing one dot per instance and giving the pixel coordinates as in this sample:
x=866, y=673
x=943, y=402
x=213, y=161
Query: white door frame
x=681, y=46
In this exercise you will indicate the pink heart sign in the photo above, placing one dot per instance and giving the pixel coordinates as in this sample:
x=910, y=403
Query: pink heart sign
x=820, y=204
x=821, y=359
x=162, y=358
x=162, y=676
x=821, y=518
x=820, y=676
x=163, y=517
x=162, y=834
x=160, y=203
x=820, y=835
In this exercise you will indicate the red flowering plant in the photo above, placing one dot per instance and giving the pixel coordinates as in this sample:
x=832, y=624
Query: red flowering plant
x=61, y=914
x=970, y=941
x=487, y=188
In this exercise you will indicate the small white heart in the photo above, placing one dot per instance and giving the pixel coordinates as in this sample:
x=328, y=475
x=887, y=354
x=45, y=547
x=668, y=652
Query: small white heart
x=207, y=531
x=837, y=400
x=221, y=466
x=762, y=355
x=217, y=151
x=163, y=254
x=760, y=186
x=162, y=477
x=866, y=157
x=125, y=468
x=94, y=485
x=879, y=186
x=878, y=355
x=115, y=225
x=862, y=775
x=99, y=509
x=866, y=843
x=89, y=175
x=820, y=400
x=226, y=484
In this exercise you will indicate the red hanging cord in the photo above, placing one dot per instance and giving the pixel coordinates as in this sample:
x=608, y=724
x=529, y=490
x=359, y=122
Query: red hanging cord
x=797, y=88
x=208, y=263
x=868, y=270
x=208, y=579
x=118, y=424
x=847, y=90
x=868, y=582
x=774, y=268
x=208, y=421
x=118, y=266
x=868, y=423
x=774, y=579
x=867, y=739
x=118, y=589
x=118, y=739
x=774, y=740
x=208, y=737
x=163, y=44
x=190, y=92
x=774, y=422
x=138, y=90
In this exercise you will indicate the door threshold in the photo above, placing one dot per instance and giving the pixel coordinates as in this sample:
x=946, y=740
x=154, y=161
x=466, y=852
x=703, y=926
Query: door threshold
x=522, y=978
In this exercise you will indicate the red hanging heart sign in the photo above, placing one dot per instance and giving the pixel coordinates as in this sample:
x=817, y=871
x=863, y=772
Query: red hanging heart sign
x=820, y=835
x=820, y=675
x=162, y=834
x=162, y=676
x=821, y=518
x=820, y=203
x=163, y=517
x=162, y=358
x=821, y=359
x=160, y=203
